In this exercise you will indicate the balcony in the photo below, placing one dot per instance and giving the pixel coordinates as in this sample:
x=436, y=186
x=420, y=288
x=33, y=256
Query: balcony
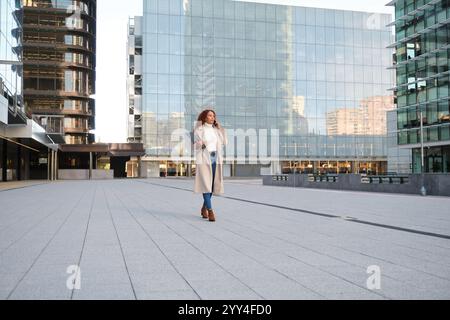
x=14, y=104
x=76, y=130
x=53, y=125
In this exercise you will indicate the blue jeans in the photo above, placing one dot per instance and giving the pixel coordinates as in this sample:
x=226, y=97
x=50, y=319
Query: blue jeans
x=207, y=196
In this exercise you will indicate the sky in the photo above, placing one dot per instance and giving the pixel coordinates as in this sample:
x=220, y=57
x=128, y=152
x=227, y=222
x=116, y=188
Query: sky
x=112, y=20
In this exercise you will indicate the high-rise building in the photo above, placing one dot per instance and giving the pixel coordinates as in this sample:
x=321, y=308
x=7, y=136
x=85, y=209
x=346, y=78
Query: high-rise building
x=59, y=66
x=370, y=118
x=422, y=89
x=343, y=122
x=11, y=102
x=11, y=63
x=26, y=151
x=265, y=66
x=134, y=80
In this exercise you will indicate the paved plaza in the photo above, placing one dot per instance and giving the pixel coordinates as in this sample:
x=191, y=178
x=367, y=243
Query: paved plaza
x=145, y=239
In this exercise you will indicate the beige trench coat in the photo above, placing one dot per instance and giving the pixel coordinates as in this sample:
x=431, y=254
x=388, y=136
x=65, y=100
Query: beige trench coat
x=203, y=176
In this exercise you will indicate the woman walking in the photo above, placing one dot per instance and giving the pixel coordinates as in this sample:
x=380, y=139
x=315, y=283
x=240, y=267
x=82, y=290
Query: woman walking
x=209, y=139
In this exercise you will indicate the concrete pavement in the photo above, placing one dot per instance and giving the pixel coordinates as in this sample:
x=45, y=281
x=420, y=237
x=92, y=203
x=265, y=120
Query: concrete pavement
x=144, y=239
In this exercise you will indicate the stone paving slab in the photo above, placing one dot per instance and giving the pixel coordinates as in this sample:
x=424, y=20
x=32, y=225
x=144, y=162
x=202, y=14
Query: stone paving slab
x=145, y=239
x=11, y=185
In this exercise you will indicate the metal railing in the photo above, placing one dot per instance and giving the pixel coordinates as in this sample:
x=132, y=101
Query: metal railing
x=385, y=179
x=280, y=178
x=323, y=177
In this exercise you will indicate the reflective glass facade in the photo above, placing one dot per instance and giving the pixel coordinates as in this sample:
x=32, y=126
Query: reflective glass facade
x=319, y=76
x=134, y=80
x=10, y=51
x=10, y=84
x=422, y=64
x=59, y=66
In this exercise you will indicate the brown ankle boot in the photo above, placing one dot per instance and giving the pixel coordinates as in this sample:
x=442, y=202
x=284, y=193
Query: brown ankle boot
x=211, y=215
x=204, y=212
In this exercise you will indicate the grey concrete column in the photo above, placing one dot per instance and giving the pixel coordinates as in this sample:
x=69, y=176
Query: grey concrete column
x=5, y=160
x=56, y=165
x=26, y=160
x=139, y=167
x=19, y=162
x=52, y=170
x=90, y=165
x=51, y=165
x=48, y=164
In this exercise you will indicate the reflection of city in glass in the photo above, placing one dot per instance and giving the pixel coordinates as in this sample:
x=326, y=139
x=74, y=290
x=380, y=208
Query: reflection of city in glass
x=10, y=50
x=59, y=66
x=319, y=76
x=422, y=64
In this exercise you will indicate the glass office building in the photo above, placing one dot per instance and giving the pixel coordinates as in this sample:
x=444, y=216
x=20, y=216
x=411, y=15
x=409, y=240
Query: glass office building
x=23, y=147
x=422, y=64
x=134, y=80
x=11, y=102
x=10, y=56
x=319, y=76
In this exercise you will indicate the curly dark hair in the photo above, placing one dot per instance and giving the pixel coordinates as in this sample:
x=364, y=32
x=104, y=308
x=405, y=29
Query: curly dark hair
x=204, y=114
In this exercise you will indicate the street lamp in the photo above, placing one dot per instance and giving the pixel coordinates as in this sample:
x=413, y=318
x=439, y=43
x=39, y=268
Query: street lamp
x=423, y=190
x=295, y=164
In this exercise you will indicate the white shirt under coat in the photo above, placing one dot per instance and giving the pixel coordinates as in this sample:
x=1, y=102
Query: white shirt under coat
x=210, y=137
